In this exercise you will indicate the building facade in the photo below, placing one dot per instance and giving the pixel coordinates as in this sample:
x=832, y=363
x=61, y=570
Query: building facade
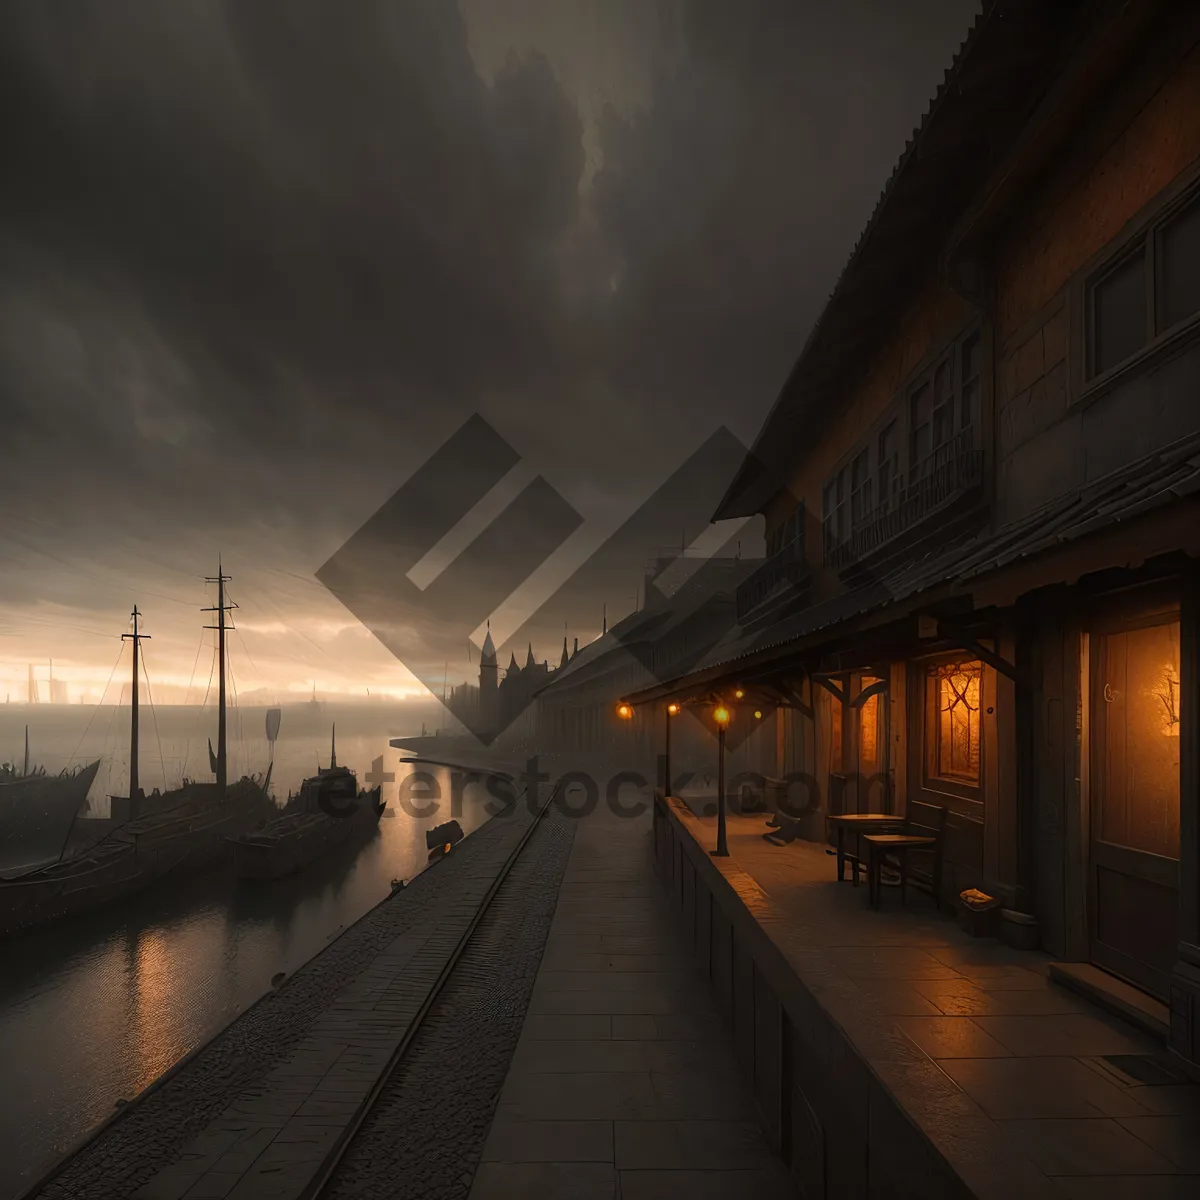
x=981, y=490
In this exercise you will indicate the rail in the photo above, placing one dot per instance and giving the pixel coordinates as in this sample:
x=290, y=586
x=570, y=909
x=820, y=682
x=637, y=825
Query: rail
x=317, y=1186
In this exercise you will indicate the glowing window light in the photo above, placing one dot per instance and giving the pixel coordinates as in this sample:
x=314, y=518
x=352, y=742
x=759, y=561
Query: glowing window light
x=958, y=732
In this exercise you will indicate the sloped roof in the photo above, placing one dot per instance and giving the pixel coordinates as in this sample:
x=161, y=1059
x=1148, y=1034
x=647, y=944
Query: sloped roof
x=1164, y=477
x=1001, y=72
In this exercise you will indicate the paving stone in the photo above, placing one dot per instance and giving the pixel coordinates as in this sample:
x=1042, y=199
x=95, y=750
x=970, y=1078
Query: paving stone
x=952, y=1037
x=1175, y=1138
x=698, y=1145
x=706, y=1185
x=549, y=1141
x=546, y=1181
x=1096, y=1146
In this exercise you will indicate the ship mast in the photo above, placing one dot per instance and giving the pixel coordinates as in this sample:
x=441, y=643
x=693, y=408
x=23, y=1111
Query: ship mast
x=221, y=609
x=333, y=750
x=135, y=637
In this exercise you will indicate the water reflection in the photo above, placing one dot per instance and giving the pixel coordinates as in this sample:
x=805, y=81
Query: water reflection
x=92, y=1010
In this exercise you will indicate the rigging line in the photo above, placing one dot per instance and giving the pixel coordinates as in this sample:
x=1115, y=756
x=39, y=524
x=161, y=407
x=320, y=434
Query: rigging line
x=76, y=569
x=187, y=746
x=154, y=720
x=97, y=708
x=195, y=663
x=58, y=625
x=289, y=628
x=253, y=665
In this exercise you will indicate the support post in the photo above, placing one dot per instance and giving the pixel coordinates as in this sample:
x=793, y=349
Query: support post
x=722, y=850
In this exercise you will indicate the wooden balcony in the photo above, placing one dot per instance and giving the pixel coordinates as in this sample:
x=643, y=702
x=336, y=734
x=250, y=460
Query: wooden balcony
x=949, y=474
x=782, y=574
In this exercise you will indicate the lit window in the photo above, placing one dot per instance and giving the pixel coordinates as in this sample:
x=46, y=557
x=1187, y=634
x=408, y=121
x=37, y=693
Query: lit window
x=956, y=730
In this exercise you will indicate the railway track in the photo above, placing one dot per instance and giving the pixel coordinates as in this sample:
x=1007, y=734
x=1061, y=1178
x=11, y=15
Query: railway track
x=353, y=1166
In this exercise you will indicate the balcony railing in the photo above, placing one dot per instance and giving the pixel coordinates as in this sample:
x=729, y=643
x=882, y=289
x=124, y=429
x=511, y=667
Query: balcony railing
x=949, y=472
x=787, y=569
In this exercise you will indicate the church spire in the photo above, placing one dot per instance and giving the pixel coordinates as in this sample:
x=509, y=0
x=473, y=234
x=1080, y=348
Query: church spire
x=529, y=658
x=565, y=656
x=488, y=656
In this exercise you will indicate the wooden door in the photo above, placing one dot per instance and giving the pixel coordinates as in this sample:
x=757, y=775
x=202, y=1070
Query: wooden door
x=1134, y=868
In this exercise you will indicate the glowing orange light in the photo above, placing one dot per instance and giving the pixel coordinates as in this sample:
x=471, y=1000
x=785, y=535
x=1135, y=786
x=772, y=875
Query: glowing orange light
x=721, y=715
x=758, y=716
x=739, y=693
x=624, y=712
x=672, y=709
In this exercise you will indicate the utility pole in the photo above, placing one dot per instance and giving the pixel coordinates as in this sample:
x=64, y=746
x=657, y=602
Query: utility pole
x=136, y=637
x=221, y=609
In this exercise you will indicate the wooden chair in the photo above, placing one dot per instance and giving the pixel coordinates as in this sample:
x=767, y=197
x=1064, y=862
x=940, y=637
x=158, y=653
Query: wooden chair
x=859, y=824
x=914, y=836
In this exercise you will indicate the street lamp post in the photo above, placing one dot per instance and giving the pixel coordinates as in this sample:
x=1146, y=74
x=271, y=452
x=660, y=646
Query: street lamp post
x=672, y=709
x=721, y=717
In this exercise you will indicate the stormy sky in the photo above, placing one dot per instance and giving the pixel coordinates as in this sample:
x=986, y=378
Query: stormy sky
x=258, y=261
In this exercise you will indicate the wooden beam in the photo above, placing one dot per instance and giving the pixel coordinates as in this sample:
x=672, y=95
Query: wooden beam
x=826, y=681
x=993, y=660
x=875, y=689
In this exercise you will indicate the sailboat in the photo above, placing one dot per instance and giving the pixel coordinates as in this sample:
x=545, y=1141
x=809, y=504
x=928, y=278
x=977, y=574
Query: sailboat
x=38, y=811
x=308, y=829
x=184, y=829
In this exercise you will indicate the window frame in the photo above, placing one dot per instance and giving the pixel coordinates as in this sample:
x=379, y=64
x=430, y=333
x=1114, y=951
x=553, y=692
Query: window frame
x=897, y=415
x=1142, y=234
x=930, y=780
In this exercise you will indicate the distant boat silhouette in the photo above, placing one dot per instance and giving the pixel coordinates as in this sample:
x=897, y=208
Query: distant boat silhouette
x=185, y=829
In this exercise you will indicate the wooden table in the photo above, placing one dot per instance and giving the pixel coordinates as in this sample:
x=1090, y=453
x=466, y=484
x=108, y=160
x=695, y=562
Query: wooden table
x=859, y=823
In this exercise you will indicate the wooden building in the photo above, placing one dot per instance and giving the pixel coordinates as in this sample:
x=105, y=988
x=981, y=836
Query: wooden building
x=981, y=486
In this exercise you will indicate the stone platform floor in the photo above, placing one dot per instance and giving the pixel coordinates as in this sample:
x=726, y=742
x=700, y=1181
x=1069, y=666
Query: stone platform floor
x=624, y=1081
x=1072, y=1087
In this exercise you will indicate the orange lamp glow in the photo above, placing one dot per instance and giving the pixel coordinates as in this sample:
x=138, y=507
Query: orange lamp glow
x=624, y=712
x=721, y=715
x=672, y=709
x=758, y=716
x=739, y=694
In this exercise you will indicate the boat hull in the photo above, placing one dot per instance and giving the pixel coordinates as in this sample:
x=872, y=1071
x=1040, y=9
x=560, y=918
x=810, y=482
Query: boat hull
x=296, y=840
x=190, y=834
x=37, y=814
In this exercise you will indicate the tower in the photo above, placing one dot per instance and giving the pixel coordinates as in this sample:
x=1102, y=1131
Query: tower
x=489, y=680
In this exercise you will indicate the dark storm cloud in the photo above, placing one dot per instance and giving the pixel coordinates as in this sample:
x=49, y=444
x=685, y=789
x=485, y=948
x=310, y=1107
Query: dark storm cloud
x=257, y=260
